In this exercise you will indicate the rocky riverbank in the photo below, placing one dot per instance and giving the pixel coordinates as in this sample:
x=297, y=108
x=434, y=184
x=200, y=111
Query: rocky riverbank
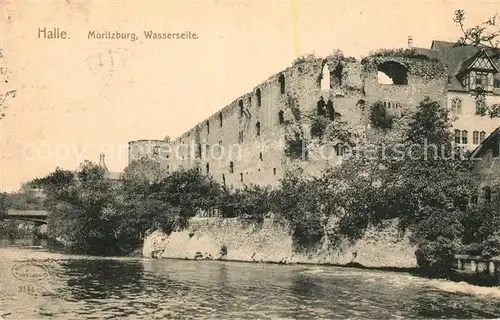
x=239, y=240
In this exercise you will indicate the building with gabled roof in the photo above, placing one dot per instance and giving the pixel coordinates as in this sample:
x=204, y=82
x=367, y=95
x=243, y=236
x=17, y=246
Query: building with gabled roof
x=469, y=67
x=486, y=164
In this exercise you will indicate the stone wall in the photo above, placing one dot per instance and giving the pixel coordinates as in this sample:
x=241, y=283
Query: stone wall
x=271, y=242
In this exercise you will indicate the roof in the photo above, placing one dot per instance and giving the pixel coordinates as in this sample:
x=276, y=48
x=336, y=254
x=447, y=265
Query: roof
x=455, y=57
x=114, y=175
x=482, y=147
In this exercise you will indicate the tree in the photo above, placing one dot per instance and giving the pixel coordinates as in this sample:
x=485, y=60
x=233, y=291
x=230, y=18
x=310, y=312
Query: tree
x=82, y=208
x=5, y=96
x=4, y=206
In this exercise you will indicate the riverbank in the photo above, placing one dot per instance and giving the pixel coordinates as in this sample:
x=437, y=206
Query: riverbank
x=237, y=240
x=248, y=241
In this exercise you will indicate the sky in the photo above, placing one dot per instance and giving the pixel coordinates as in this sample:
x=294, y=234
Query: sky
x=78, y=97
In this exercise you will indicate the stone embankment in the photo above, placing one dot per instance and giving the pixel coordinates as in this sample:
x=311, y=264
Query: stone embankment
x=239, y=240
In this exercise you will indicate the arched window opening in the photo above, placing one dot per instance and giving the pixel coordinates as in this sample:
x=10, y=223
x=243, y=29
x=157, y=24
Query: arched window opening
x=337, y=75
x=223, y=179
x=391, y=72
x=487, y=194
x=208, y=127
x=231, y=167
x=241, y=176
x=240, y=103
x=456, y=106
x=361, y=104
x=282, y=83
x=207, y=167
x=259, y=98
x=274, y=171
x=257, y=127
x=330, y=110
x=220, y=119
x=325, y=83
x=281, y=117
x=260, y=156
x=198, y=150
x=321, y=106
x=340, y=150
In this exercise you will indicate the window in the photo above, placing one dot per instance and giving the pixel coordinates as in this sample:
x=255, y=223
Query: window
x=274, y=171
x=220, y=119
x=397, y=109
x=475, y=137
x=340, y=150
x=457, y=136
x=241, y=176
x=208, y=127
x=482, y=136
x=207, y=150
x=456, y=106
x=257, y=127
x=260, y=156
x=464, y=136
x=156, y=150
x=240, y=137
x=282, y=83
x=223, y=179
x=231, y=167
x=480, y=108
x=241, y=108
x=198, y=150
x=281, y=117
x=325, y=83
x=482, y=79
x=259, y=98
x=207, y=166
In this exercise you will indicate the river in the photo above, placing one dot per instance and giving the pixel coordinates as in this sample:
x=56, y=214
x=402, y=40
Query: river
x=86, y=287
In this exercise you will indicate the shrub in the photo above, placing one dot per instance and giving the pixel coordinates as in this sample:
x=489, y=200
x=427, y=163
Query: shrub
x=380, y=117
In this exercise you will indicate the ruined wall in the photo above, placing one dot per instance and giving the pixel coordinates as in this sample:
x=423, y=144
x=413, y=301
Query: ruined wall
x=158, y=150
x=257, y=155
x=271, y=242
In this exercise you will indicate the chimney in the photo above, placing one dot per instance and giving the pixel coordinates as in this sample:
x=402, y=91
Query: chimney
x=410, y=42
x=102, y=164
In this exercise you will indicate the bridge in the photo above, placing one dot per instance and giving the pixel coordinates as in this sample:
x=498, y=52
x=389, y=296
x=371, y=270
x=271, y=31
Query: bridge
x=37, y=216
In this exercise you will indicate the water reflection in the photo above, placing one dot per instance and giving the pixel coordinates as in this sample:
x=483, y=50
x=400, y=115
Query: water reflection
x=102, y=279
x=92, y=287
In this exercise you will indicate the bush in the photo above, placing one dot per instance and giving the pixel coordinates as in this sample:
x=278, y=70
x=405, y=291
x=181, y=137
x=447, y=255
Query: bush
x=380, y=117
x=318, y=126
